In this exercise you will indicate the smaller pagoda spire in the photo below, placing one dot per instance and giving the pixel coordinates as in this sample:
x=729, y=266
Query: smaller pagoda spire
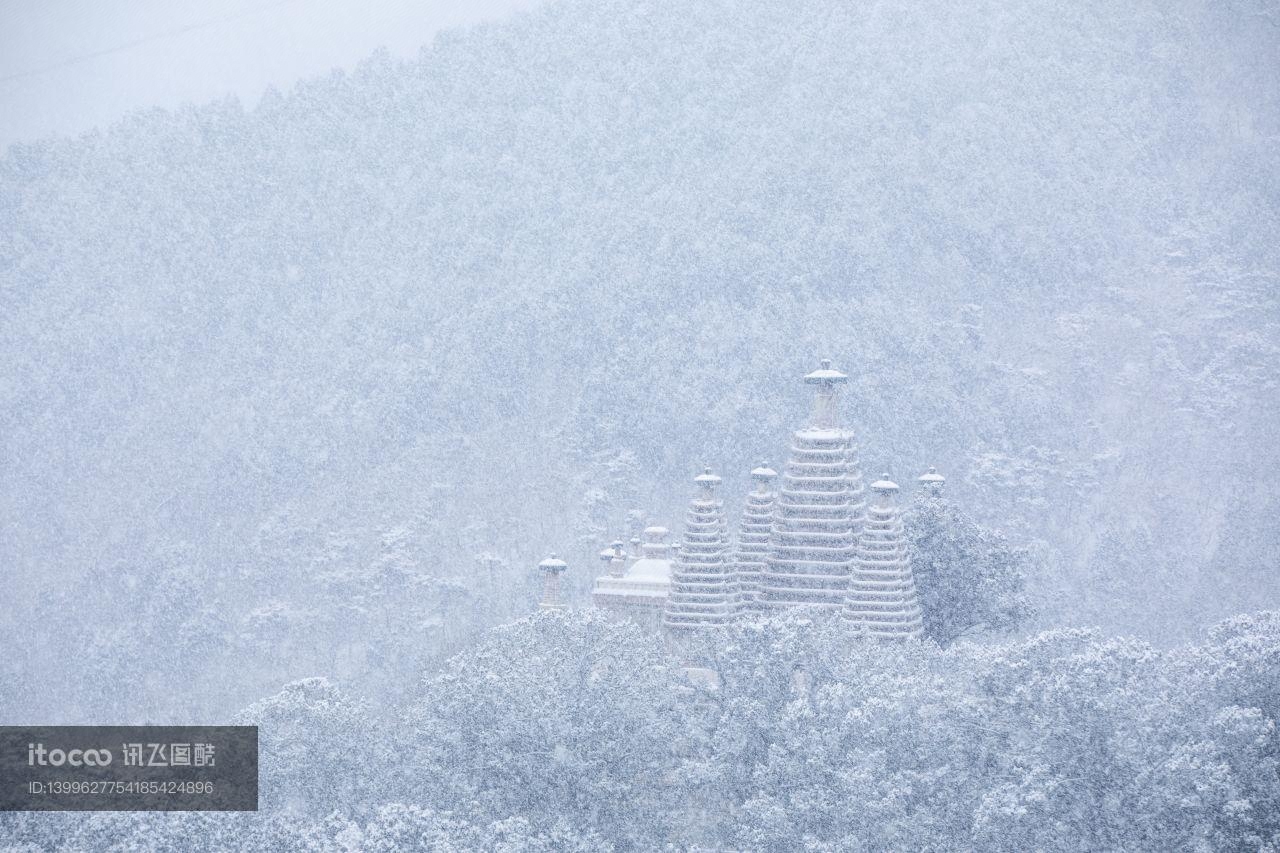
x=702, y=581
x=753, y=536
x=882, y=593
x=826, y=382
x=552, y=568
x=617, y=559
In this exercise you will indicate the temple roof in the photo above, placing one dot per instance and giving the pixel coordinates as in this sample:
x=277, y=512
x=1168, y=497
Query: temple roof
x=649, y=569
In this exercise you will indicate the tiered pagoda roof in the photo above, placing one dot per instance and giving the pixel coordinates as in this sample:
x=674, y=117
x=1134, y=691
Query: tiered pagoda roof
x=819, y=509
x=753, y=536
x=882, y=595
x=703, y=591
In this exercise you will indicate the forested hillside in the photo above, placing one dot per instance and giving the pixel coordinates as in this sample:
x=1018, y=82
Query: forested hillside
x=567, y=732
x=311, y=386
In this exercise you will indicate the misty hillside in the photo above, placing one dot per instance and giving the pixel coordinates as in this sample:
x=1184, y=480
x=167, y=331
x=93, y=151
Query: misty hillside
x=398, y=333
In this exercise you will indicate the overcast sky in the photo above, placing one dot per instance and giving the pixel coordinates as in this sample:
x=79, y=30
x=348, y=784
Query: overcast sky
x=69, y=65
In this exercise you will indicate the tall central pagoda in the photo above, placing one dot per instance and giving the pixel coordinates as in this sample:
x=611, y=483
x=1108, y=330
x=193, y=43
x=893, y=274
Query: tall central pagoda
x=819, y=511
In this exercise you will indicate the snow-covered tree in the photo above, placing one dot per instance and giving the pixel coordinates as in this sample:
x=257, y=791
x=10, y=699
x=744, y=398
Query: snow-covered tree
x=970, y=578
x=319, y=751
x=561, y=716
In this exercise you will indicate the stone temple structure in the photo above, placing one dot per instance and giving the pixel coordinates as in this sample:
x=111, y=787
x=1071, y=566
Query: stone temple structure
x=882, y=591
x=811, y=540
x=703, y=580
x=819, y=511
x=638, y=591
x=753, y=536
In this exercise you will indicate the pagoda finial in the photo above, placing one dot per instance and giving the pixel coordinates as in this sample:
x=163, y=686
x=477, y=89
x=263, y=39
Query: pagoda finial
x=707, y=482
x=763, y=476
x=827, y=380
x=931, y=480
x=885, y=490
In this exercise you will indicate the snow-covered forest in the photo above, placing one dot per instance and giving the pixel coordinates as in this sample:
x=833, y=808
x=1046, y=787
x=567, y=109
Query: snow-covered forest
x=295, y=396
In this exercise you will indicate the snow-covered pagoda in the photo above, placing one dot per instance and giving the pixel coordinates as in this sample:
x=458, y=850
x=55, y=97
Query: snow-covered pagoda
x=882, y=592
x=819, y=510
x=639, y=590
x=810, y=541
x=754, y=534
x=703, y=579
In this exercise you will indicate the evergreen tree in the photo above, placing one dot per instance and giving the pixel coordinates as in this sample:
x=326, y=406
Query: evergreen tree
x=969, y=579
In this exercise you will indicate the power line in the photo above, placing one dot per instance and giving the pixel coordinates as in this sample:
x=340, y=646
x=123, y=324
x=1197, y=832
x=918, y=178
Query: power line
x=199, y=25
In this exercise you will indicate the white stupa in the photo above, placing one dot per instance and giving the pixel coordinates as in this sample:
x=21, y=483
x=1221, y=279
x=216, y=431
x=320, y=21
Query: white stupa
x=638, y=592
x=882, y=595
x=753, y=536
x=702, y=578
x=551, y=568
x=819, y=509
